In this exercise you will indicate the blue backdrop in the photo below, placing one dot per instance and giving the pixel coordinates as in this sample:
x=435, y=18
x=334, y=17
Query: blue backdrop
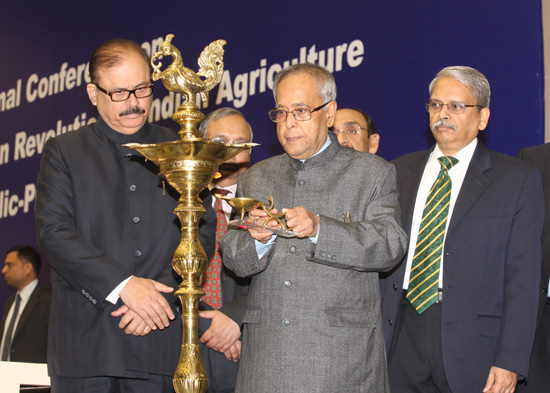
x=383, y=56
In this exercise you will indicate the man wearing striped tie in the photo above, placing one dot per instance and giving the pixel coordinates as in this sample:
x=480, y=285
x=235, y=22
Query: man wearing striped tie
x=223, y=306
x=459, y=312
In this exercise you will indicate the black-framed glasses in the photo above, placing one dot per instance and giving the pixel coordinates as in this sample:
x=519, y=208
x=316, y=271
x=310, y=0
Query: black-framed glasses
x=278, y=115
x=453, y=107
x=123, y=94
x=352, y=130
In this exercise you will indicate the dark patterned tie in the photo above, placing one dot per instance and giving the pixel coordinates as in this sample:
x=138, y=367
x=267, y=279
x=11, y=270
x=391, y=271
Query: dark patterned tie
x=212, y=285
x=7, y=339
x=424, y=279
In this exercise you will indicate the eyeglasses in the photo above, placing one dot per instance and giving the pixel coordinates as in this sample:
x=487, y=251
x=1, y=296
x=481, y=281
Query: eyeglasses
x=221, y=139
x=353, y=130
x=123, y=94
x=453, y=107
x=279, y=115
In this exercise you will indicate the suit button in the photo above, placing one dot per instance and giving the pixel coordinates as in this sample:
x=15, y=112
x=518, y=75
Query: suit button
x=293, y=249
x=129, y=156
x=323, y=254
x=286, y=322
x=84, y=292
x=395, y=287
x=135, y=219
x=329, y=256
x=94, y=301
x=133, y=187
x=137, y=253
x=288, y=283
x=390, y=322
x=301, y=183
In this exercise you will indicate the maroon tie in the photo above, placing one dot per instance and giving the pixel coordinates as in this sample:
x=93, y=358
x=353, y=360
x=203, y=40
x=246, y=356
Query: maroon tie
x=212, y=285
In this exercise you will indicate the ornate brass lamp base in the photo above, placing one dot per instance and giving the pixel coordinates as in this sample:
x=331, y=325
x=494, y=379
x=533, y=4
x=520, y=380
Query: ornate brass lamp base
x=189, y=165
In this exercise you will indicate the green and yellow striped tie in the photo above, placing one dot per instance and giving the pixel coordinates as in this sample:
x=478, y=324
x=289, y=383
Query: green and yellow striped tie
x=424, y=279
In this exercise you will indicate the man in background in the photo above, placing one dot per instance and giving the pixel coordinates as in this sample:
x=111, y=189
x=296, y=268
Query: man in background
x=538, y=380
x=356, y=129
x=24, y=327
x=223, y=306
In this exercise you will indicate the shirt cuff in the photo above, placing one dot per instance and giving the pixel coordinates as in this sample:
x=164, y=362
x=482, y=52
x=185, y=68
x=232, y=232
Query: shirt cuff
x=315, y=239
x=115, y=294
x=262, y=249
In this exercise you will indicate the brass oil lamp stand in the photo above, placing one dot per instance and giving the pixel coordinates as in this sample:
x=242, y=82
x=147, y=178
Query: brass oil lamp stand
x=188, y=165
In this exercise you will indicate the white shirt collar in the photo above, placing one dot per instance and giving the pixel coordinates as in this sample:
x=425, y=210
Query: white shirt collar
x=26, y=292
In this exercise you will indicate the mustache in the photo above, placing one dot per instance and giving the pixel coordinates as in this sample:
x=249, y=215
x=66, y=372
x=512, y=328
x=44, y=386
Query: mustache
x=131, y=110
x=443, y=122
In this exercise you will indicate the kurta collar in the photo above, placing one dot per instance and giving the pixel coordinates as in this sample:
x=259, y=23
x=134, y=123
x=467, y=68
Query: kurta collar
x=119, y=138
x=322, y=158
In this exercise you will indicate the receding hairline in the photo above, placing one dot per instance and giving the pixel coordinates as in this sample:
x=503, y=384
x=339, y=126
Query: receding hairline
x=114, y=52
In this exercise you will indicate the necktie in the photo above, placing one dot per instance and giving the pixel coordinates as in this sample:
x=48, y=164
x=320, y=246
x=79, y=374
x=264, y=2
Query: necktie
x=212, y=285
x=424, y=279
x=9, y=332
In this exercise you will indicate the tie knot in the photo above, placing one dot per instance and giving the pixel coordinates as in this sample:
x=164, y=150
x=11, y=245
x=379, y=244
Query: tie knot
x=219, y=191
x=447, y=162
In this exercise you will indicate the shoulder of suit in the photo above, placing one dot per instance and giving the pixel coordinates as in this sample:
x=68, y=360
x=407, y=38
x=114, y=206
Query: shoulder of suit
x=44, y=291
x=164, y=134
x=269, y=164
x=535, y=150
x=366, y=161
x=410, y=157
x=71, y=136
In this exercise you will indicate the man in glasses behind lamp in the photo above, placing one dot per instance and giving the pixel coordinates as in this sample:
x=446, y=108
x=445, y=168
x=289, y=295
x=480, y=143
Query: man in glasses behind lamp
x=356, y=129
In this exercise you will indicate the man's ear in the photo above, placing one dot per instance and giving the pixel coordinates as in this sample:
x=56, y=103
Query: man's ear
x=331, y=112
x=485, y=113
x=374, y=141
x=92, y=93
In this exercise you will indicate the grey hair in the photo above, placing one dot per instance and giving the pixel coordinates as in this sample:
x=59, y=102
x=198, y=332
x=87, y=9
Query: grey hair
x=220, y=114
x=469, y=77
x=325, y=80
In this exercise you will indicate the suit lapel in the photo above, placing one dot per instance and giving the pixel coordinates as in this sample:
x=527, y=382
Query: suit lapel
x=475, y=182
x=29, y=307
x=409, y=188
x=545, y=174
x=5, y=314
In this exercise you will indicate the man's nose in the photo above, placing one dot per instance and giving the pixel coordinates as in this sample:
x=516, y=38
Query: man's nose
x=342, y=139
x=133, y=100
x=444, y=113
x=290, y=120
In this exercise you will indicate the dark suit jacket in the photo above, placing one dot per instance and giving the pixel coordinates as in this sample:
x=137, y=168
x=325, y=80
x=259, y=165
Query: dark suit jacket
x=491, y=266
x=31, y=334
x=539, y=156
x=222, y=373
x=234, y=288
x=101, y=216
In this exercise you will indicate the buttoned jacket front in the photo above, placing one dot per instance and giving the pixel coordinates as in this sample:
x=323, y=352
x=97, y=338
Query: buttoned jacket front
x=312, y=322
x=102, y=215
